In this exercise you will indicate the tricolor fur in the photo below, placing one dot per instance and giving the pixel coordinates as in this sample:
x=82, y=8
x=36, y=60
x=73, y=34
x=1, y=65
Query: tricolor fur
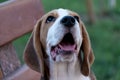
x=60, y=48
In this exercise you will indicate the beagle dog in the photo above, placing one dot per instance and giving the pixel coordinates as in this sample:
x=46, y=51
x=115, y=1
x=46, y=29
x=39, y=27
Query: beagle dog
x=59, y=47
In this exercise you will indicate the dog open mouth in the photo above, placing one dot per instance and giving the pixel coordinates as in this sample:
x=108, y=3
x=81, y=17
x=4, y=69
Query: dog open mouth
x=65, y=48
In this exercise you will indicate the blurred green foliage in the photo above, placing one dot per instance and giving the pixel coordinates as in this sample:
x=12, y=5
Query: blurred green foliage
x=104, y=35
x=106, y=45
x=3, y=0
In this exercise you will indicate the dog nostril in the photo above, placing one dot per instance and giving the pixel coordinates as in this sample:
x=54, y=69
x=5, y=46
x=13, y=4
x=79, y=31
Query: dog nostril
x=68, y=21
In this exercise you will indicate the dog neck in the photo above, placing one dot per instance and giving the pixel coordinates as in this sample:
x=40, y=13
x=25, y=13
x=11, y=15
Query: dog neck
x=66, y=71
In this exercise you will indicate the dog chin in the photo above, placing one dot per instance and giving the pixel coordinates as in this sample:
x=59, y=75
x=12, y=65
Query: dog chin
x=65, y=58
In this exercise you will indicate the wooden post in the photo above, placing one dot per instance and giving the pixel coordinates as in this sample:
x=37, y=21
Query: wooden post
x=1, y=74
x=9, y=61
x=90, y=11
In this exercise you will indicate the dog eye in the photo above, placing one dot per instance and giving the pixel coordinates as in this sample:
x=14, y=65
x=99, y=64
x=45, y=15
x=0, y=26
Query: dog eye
x=77, y=18
x=50, y=19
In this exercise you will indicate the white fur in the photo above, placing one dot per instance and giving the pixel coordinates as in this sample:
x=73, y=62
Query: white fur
x=66, y=71
x=57, y=32
x=60, y=69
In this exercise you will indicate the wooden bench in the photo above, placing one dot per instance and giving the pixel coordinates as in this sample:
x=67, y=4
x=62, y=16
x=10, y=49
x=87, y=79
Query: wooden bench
x=17, y=17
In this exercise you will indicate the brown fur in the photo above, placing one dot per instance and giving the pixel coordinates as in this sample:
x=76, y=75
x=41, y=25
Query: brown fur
x=36, y=57
x=88, y=58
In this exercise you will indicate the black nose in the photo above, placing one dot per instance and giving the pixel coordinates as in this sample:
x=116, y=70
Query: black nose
x=68, y=21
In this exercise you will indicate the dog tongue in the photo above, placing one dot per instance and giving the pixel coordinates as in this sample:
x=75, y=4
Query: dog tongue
x=67, y=47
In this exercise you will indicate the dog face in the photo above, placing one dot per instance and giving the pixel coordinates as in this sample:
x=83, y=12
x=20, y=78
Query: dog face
x=64, y=36
x=59, y=36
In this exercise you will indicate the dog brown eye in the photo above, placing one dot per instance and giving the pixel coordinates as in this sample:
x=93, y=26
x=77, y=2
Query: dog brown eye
x=50, y=19
x=77, y=18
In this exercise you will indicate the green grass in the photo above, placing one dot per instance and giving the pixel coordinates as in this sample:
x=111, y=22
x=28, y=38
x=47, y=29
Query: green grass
x=20, y=45
x=3, y=0
x=105, y=41
x=104, y=35
x=75, y=5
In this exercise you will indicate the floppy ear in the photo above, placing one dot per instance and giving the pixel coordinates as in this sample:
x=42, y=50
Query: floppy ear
x=42, y=57
x=30, y=56
x=88, y=56
x=34, y=54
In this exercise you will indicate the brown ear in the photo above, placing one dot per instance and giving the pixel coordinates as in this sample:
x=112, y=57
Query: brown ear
x=88, y=56
x=40, y=51
x=33, y=54
x=30, y=56
x=38, y=47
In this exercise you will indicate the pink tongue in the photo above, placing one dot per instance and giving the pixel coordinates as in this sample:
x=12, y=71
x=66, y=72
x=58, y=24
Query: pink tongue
x=67, y=47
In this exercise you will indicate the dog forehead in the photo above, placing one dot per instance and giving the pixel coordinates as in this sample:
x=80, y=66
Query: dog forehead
x=62, y=12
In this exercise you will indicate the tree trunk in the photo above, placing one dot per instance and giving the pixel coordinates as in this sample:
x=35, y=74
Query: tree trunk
x=90, y=11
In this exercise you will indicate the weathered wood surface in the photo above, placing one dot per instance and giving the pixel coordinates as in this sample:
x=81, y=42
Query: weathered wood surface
x=18, y=18
x=9, y=61
x=24, y=73
x=1, y=74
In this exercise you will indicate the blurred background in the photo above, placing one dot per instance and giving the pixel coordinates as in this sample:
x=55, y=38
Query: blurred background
x=102, y=20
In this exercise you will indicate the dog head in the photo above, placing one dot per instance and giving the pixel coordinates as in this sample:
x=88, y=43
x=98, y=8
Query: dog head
x=59, y=36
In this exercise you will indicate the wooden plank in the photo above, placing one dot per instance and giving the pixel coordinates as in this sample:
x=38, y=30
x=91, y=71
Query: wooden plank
x=6, y=2
x=1, y=74
x=9, y=61
x=18, y=18
x=24, y=73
